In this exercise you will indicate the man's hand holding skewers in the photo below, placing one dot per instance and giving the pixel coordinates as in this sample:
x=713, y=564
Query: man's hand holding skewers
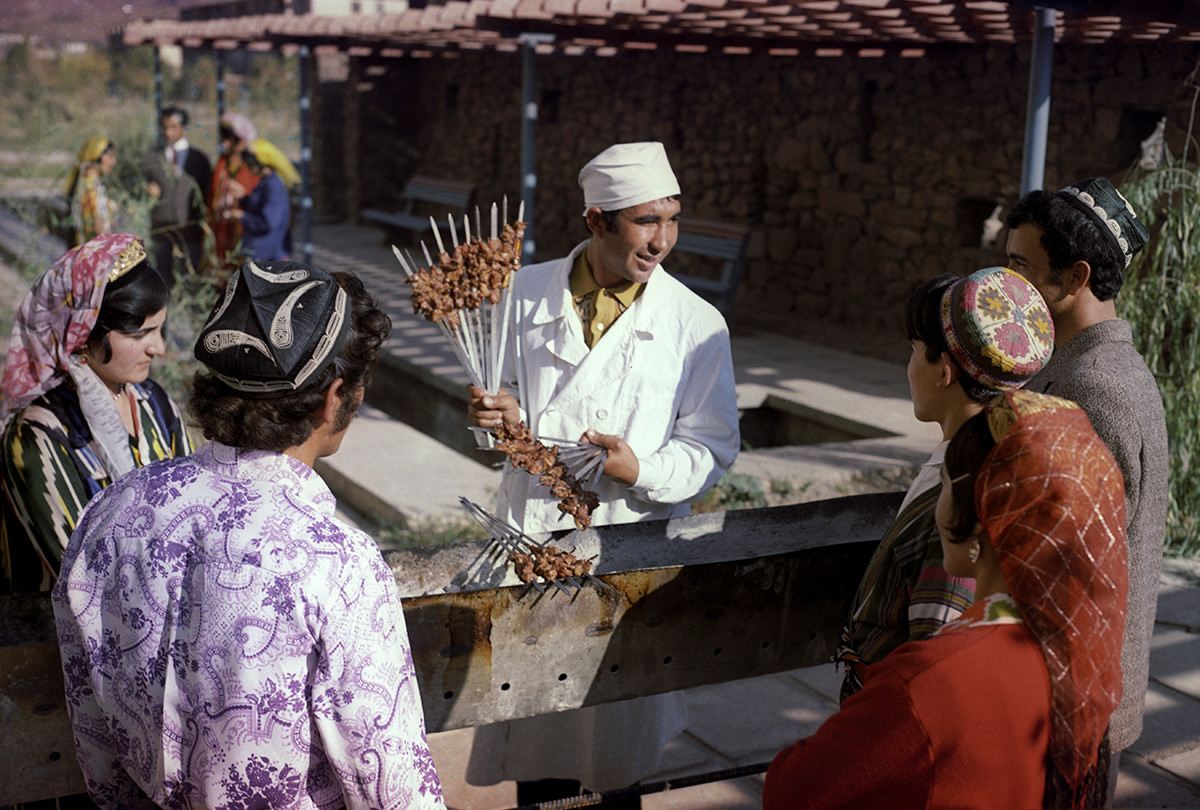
x=622, y=463
x=488, y=410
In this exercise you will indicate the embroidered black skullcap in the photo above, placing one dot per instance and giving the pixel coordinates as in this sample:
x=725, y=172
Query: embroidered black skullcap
x=1099, y=199
x=279, y=325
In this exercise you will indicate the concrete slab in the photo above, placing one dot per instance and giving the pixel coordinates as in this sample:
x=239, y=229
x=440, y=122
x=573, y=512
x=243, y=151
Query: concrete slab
x=1143, y=784
x=1175, y=659
x=734, y=794
x=1185, y=765
x=686, y=754
x=751, y=720
x=393, y=473
x=451, y=751
x=824, y=681
x=1170, y=723
x=1179, y=594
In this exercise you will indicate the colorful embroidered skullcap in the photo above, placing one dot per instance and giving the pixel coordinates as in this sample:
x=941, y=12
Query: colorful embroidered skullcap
x=1052, y=500
x=997, y=327
x=1103, y=204
x=279, y=325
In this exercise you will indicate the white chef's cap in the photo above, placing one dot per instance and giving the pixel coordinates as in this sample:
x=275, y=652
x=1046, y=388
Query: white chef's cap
x=627, y=174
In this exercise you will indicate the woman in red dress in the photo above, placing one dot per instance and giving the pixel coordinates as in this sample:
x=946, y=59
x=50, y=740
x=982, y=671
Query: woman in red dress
x=232, y=179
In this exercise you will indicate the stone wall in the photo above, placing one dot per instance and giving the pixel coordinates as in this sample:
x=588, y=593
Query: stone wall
x=860, y=176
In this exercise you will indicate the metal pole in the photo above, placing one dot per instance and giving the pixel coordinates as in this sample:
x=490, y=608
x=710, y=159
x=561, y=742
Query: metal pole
x=158, y=97
x=220, y=57
x=1037, y=111
x=305, y=157
x=529, y=111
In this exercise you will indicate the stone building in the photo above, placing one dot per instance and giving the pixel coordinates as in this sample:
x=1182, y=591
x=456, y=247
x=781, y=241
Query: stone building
x=861, y=170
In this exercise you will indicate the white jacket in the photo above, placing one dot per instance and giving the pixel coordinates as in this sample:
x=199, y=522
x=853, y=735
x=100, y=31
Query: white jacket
x=662, y=379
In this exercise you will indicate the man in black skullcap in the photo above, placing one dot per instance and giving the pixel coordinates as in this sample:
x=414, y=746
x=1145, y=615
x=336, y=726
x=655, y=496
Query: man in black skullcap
x=1074, y=246
x=254, y=652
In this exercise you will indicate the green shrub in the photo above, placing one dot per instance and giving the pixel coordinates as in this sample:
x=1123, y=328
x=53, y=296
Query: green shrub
x=430, y=531
x=733, y=491
x=1161, y=299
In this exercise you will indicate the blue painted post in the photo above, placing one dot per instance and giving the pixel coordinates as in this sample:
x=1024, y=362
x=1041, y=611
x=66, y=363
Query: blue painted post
x=1037, y=112
x=305, y=157
x=529, y=111
x=220, y=59
x=158, y=96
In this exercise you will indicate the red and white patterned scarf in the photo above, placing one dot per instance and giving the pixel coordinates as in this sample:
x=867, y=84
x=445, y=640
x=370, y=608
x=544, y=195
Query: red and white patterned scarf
x=1053, y=502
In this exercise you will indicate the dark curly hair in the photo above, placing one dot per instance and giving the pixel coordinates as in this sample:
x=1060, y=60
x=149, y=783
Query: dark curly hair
x=126, y=305
x=923, y=322
x=965, y=455
x=1069, y=235
x=275, y=424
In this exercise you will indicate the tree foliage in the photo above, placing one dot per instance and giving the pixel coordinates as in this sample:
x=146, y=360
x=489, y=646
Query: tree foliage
x=1161, y=299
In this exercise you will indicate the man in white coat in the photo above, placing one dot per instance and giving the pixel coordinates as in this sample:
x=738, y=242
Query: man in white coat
x=610, y=348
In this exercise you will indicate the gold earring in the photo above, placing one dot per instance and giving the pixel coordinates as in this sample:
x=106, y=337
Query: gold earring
x=973, y=551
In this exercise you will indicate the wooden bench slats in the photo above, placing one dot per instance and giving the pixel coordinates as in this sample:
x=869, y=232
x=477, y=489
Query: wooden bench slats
x=451, y=194
x=718, y=240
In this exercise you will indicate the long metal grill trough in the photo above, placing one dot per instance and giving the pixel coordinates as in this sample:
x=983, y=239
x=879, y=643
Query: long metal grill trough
x=694, y=601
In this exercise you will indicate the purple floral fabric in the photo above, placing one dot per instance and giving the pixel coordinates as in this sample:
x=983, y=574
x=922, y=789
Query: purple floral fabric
x=227, y=643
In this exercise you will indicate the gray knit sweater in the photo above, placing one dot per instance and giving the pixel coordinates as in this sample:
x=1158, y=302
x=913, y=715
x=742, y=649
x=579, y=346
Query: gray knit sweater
x=1100, y=370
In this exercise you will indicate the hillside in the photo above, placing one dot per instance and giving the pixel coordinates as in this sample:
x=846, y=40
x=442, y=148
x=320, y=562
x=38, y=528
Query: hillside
x=79, y=20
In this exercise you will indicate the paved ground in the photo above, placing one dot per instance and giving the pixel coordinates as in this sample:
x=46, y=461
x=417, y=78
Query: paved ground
x=386, y=466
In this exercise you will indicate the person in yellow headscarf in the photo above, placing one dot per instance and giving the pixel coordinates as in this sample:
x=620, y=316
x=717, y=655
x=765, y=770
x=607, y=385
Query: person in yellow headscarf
x=266, y=212
x=92, y=212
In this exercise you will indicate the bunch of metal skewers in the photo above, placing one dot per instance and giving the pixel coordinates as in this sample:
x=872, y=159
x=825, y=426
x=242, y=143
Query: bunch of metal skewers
x=517, y=545
x=477, y=334
x=583, y=460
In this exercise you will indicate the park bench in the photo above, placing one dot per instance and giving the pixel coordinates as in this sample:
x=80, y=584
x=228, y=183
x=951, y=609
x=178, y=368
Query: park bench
x=424, y=196
x=711, y=240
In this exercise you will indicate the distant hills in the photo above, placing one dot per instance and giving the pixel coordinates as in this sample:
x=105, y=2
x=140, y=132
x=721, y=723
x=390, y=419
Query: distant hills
x=62, y=21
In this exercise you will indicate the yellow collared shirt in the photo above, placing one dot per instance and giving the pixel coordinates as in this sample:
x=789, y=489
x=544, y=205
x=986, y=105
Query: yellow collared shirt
x=598, y=307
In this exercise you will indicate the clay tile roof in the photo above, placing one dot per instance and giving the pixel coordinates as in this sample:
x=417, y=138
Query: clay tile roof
x=689, y=26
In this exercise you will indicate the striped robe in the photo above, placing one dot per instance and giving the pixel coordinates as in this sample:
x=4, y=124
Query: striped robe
x=49, y=470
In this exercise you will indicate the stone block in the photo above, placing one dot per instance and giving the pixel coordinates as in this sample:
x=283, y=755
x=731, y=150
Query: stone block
x=789, y=152
x=841, y=203
x=906, y=216
x=780, y=243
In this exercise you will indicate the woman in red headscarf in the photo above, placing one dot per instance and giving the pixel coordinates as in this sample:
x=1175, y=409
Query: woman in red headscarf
x=1008, y=705
x=76, y=405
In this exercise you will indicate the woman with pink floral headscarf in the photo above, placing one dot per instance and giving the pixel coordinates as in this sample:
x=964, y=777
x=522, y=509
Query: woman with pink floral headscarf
x=76, y=404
